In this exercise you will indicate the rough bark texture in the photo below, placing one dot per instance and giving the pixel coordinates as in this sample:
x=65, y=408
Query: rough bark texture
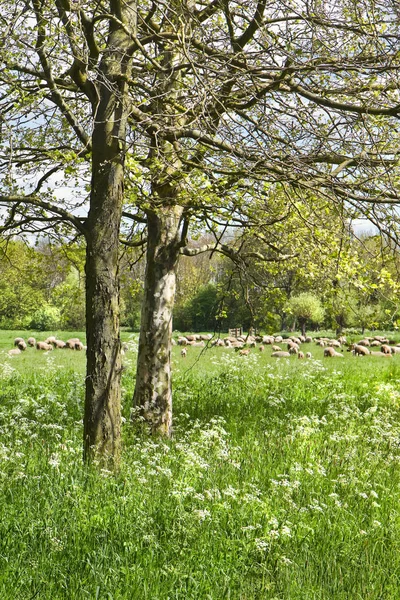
x=102, y=421
x=153, y=391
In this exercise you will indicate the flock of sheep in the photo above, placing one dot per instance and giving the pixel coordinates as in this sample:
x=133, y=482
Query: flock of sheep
x=49, y=344
x=373, y=346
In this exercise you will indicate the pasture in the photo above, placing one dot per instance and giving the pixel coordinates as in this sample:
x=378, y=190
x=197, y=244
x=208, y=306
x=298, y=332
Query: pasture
x=281, y=482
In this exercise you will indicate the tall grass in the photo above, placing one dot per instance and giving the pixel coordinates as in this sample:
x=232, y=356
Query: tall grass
x=281, y=481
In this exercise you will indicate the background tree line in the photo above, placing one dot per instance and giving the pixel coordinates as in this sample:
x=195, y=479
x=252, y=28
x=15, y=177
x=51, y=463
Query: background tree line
x=354, y=284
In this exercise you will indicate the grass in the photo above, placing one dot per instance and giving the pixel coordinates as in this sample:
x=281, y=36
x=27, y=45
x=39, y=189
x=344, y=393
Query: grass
x=281, y=482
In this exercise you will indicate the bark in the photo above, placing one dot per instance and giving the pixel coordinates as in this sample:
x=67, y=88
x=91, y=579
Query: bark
x=102, y=420
x=153, y=390
x=303, y=327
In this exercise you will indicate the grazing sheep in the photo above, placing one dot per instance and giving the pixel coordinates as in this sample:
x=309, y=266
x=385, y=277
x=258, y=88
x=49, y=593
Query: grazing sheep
x=377, y=353
x=294, y=349
x=14, y=352
x=386, y=349
x=308, y=355
x=18, y=340
x=331, y=352
x=21, y=345
x=321, y=343
x=253, y=344
x=278, y=339
x=293, y=345
x=261, y=348
x=300, y=355
x=182, y=341
x=244, y=352
x=359, y=350
x=308, y=339
x=72, y=344
x=363, y=342
x=395, y=350
x=51, y=340
x=183, y=352
x=375, y=343
x=281, y=354
x=43, y=346
x=334, y=343
x=31, y=341
x=59, y=344
x=276, y=348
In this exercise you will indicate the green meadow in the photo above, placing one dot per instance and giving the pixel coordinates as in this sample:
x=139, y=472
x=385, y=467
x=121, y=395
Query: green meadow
x=281, y=481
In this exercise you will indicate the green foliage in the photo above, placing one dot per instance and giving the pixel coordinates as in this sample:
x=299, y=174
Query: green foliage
x=306, y=307
x=69, y=297
x=200, y=312
x=46, y=318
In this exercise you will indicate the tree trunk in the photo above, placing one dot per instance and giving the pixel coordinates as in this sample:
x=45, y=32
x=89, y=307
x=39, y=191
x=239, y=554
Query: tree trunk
x=303, y=328
x=153, y=391
x=102, y=420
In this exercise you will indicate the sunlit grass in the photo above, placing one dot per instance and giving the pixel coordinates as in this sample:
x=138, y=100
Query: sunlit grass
x=281, y=481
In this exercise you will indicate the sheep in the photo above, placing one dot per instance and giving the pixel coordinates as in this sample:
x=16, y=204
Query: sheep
x=386, y=349
x=294, y=349
x=261, y=348
x=377, y=353
x=244, y=352
x=395, y=350
x=300, y=355
x=276, y=348
x=51, y=340
x=281, y=354
x=59, y=344
x=43, y=346
x=308, y=339
x=363, y=342
x=21, y=345
x=291, y=345
x=183, y=352
x=278, y=339
x=358, y=350
x=330, y=352
x=31, y=341
x=74, y=344
x=334, y=343
x=308, y=355
x=18, y=340
x=14, y=352
x=182, y=341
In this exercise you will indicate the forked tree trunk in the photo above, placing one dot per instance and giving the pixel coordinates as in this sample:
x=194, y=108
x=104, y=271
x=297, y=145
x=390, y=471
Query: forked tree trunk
x=153, y=391
x=102, y=420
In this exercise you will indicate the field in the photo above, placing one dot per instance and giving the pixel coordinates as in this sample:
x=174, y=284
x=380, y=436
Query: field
x=282, y=481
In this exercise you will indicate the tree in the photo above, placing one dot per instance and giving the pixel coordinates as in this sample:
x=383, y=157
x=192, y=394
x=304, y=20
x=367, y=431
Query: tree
x=213, y=104
x=305, y=308
x=64, y=100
